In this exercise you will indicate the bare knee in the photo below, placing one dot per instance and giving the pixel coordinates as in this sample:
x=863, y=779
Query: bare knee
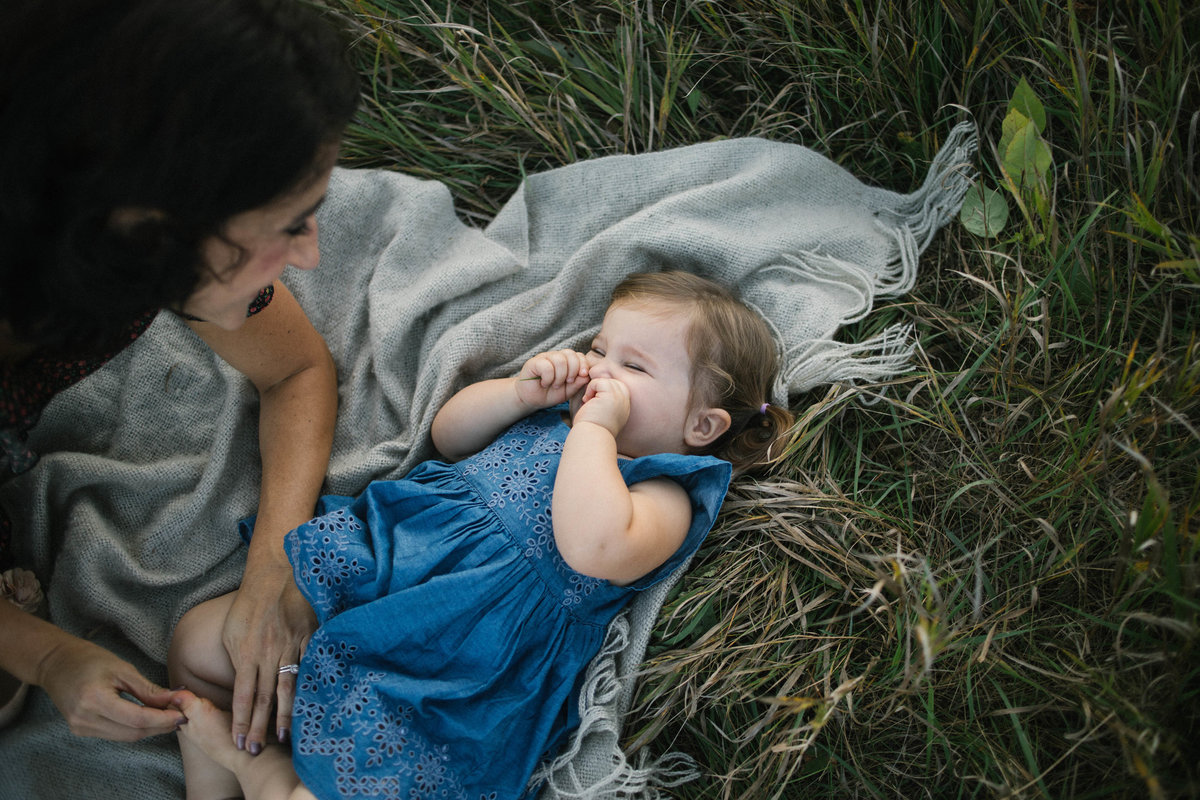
x=181, y=654
x=196, y=658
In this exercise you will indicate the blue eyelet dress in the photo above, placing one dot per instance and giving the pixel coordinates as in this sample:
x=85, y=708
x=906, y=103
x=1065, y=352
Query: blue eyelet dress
x=453, y=637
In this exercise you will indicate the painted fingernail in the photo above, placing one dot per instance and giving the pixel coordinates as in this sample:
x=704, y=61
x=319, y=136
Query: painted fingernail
x=282, y=735
x=241, y=741
x=255, y=748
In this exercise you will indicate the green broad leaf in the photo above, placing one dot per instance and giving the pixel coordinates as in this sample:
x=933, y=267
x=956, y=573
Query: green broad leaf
x=1025, y=101
x=1013, y=121
x=1027, y=158
x=984, y=212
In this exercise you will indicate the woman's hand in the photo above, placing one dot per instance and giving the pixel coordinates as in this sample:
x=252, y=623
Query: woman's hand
x=551, y=378
x=86, y=683
x=268, y=626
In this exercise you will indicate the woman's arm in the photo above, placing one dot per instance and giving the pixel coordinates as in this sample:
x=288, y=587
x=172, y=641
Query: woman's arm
x=84, y=680
x=602, y=527
x=477, y=414
x=287, y=360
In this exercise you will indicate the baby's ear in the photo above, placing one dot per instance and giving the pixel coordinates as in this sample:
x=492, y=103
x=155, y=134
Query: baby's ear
x=705, y=426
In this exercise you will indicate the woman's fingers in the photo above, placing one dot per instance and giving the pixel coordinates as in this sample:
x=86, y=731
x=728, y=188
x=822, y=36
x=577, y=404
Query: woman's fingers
x=103, y=696
x=245, y=690
x=285, y=693
x=269, y=632
x=124, y=720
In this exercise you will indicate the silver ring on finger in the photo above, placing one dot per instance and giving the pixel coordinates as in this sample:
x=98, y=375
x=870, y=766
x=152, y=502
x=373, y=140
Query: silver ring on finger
x=289, y=669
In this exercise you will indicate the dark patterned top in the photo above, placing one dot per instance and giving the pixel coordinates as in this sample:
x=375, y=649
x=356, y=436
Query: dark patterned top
x=28, y=387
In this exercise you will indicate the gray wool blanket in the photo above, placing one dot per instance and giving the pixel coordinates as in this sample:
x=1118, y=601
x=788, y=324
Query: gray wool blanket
x=147, y=465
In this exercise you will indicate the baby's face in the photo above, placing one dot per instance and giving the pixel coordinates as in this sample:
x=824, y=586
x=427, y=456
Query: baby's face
x=646, y=349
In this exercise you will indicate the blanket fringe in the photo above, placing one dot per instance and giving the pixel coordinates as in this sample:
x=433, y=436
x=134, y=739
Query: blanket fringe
x=912, y=223
x=929, y=208
x=600, y=718
x=817, y=268
x=823, y=361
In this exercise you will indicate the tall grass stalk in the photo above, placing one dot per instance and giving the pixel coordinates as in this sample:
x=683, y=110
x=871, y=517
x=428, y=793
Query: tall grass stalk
x=983, y=583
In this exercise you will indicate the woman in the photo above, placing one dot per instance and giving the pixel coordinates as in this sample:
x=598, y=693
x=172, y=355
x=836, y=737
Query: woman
x=167, y=155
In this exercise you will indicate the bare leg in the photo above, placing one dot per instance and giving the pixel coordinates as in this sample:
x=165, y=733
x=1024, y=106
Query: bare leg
x=266, y=776
x=197, y=661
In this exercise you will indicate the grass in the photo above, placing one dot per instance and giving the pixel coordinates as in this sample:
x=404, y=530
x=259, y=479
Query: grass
x=984, y=584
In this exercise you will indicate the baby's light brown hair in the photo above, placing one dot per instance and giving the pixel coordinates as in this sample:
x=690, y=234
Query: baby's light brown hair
x=735, y=361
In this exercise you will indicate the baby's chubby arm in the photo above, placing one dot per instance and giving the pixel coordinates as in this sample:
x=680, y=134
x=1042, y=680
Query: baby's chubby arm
x=477, y=414
x=602, y=527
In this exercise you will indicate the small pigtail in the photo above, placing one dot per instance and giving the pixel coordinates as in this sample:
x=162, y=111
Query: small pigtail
x=756, y=438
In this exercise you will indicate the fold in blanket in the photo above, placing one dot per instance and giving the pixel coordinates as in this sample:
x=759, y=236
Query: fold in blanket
x=130, y=516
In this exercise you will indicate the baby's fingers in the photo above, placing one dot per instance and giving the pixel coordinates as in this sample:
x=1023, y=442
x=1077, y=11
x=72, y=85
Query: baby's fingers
x=555, y=369
x=592, y=388
x=540, y=368
x=577, y=369
x=606, y=401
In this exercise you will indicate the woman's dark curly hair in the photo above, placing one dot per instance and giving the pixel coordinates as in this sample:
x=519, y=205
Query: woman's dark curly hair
x=194, y=110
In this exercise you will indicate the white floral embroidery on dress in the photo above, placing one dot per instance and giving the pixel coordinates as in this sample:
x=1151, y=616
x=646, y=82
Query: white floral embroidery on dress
x=329, y=569
x=495, y=457
x=363, y=710
x=327, y=665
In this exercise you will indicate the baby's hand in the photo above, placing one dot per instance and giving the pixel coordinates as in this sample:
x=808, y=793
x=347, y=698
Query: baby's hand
x=605, y=403
x=551, y=378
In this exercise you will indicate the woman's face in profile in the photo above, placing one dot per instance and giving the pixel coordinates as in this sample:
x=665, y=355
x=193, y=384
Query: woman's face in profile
x=256, y=246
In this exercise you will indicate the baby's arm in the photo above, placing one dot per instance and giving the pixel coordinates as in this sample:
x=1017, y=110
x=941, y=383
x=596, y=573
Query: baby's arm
x=477, y=414
x=602, y=527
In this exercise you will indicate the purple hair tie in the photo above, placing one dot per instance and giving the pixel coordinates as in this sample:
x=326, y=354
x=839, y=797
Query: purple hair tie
x=763, y=408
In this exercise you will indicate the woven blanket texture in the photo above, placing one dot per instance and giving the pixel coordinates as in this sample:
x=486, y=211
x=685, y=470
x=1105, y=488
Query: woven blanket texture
x=130, y=515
